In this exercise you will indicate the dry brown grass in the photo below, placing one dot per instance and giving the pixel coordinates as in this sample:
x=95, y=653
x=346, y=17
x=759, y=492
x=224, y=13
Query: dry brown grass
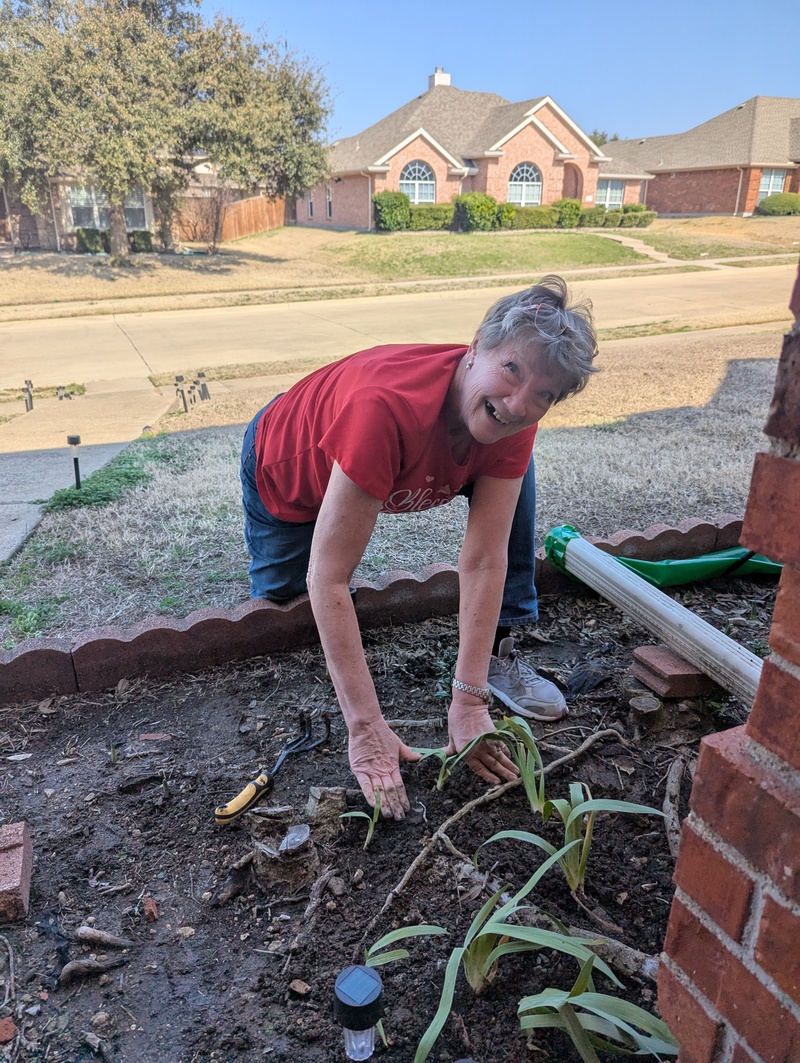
x=286, y=264
x=668, y=430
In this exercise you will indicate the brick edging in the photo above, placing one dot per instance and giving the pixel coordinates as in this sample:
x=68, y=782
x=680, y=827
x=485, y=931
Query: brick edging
x=159, y=646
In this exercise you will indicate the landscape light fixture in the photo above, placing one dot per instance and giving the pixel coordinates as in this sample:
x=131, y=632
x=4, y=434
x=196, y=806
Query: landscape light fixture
x=180, y=390
x=27, y=394
x=74, y=442
x=357, y=1007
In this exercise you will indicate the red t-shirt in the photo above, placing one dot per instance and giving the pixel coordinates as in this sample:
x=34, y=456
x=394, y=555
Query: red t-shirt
x=379, y=414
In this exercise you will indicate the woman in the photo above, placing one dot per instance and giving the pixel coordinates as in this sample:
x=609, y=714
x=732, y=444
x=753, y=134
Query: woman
x=403, y=428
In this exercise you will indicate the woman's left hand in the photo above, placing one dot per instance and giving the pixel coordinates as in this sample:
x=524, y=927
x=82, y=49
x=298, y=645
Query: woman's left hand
x=489, y=759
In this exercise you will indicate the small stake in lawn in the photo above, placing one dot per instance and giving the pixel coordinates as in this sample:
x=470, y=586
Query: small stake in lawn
x=74, y=442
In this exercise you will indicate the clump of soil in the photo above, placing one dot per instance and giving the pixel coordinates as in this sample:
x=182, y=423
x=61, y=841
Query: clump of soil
x=119, y=791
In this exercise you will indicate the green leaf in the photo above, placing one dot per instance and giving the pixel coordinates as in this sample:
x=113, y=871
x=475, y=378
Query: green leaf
x=571, y=946
x=578, y=1035
x=601, y=805
x=521, y=836
x=584, y=978
x=386, y=957
x=445, y=1003
x=403, y=932
x=482, y=916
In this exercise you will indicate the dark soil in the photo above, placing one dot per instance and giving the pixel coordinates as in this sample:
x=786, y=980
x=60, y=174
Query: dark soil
x=119, y=790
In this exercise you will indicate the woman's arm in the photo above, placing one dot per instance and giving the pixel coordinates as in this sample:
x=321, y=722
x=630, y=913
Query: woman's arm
x=482, y=567
x=344, y=526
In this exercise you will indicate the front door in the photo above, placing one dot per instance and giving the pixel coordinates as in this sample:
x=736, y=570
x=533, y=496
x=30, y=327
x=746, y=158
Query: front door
x=573, y=182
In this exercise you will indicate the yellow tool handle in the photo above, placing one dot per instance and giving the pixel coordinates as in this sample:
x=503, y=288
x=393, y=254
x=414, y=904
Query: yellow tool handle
x=251, y=794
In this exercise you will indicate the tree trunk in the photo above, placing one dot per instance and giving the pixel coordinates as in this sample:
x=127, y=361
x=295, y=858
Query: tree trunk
x=118, y=235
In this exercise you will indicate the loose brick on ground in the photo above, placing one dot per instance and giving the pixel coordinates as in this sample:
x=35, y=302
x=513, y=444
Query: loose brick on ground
x=16, y=863
x=669, y=674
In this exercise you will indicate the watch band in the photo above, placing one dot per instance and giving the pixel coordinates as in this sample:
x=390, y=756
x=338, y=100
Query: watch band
x=484, y=693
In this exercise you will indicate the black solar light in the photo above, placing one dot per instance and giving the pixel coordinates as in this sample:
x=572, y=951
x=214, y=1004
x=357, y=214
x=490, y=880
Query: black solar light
x=74, y=442
x=27, y=394
x=204, y=392
x=357, y=1006
x=180, y=390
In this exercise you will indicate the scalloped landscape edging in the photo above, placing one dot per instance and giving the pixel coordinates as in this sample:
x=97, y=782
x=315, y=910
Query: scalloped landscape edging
x=160, y=647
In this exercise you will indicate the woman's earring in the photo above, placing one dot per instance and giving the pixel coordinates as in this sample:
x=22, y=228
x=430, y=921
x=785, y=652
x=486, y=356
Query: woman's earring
x=469, y=365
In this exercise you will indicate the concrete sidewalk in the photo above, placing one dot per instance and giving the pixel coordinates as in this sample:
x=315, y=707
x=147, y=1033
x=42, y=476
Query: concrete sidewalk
x=34, y=457
x=115, y=356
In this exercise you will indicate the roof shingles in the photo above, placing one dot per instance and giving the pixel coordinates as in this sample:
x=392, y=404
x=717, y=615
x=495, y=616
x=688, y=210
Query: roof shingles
x=761, y=132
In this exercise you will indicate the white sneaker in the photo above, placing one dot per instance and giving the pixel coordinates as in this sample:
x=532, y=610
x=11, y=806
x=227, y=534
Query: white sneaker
x=521, y=689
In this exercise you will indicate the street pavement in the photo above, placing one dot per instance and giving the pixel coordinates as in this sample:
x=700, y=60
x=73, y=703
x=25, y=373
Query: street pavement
x=114, y=355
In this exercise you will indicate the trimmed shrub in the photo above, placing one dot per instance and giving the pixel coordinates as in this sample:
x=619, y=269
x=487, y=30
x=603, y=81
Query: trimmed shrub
x=504, y=217
x=630, y=220
x=593, y=217
x=140, y=240
x=431, y=216
x=569, y=212
x=474, y=211
x=633, y=208
x=782, y=203
x=643, y=218
x=613, y=218
x=534, y=218
x=91, y=241
x=392, y=211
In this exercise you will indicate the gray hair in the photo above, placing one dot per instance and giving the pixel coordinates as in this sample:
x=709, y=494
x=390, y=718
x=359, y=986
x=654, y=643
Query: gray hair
x=540, y=317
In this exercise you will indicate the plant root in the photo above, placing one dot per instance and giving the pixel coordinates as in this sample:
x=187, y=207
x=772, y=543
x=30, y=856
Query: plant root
x=672, y=798
x=477, y=802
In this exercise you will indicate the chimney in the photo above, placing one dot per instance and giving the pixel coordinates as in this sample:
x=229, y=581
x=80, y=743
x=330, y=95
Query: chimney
x=438, y=77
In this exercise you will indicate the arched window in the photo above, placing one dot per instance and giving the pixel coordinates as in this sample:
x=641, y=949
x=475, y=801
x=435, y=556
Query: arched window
x=525, y=185
x=418, y=182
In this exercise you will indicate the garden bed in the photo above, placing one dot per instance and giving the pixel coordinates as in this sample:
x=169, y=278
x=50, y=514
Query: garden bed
x=119, y=790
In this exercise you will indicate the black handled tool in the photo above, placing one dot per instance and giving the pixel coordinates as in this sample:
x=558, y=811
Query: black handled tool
x=263, y=784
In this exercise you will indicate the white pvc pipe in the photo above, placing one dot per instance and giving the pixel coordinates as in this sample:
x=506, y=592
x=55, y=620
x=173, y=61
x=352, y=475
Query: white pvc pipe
x=725, y=661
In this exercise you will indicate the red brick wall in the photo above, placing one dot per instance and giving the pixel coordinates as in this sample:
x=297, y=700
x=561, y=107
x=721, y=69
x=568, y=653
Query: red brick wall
x=351, y=206
x=702, y=191
x=531, y=145
x=447, y=185
x=729, y=985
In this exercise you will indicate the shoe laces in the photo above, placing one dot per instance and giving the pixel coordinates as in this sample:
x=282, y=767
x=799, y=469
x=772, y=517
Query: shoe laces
x=525, y=671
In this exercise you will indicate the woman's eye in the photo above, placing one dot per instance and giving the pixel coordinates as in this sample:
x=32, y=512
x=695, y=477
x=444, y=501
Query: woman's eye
x=511, y=367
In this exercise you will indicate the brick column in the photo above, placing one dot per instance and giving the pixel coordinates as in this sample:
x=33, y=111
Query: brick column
x=729, y=984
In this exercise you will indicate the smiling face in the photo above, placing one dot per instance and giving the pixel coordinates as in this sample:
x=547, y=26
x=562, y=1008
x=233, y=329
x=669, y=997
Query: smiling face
x=505, y=391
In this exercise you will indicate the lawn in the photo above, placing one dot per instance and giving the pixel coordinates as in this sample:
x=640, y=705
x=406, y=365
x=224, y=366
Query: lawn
x=691, y=406
x=411, y=256
x=298, y=258
x=719, y=236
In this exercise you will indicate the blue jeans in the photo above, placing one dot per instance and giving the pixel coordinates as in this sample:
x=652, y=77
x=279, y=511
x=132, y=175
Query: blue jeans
x=280, y=549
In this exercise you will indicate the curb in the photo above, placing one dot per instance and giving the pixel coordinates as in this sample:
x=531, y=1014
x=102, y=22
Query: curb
x=157, y=647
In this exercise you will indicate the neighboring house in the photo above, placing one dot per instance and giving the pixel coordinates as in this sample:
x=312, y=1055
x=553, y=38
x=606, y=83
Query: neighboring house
x=724, y=166
x=448, y=141
x=70, y=205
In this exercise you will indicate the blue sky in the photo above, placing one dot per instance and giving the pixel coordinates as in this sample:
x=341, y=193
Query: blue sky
x=636, y=70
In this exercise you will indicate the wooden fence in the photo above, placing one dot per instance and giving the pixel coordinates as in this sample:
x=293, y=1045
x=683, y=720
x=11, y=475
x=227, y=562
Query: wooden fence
x=245, y=217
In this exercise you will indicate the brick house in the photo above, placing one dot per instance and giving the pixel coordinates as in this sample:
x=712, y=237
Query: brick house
x=448, y=141
x=724, y=166
x=729, y=980
x=71, y=203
